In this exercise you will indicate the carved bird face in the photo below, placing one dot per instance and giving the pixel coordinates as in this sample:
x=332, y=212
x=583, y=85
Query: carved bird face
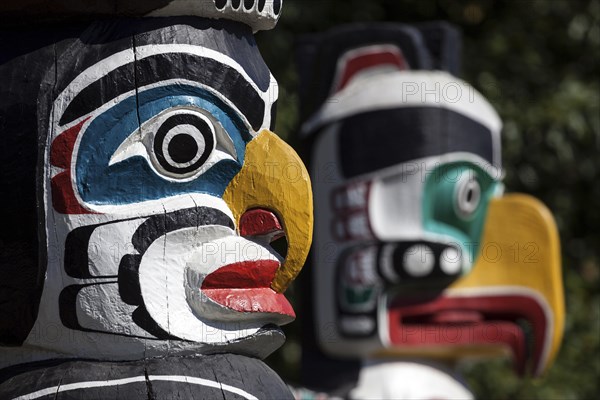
x=417, y=251
x=164, y=188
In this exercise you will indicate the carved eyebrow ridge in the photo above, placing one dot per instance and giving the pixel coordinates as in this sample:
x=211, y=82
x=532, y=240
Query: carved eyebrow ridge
x=161, y=67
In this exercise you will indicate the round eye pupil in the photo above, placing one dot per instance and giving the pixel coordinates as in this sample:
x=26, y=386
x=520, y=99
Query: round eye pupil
x=183, y=143
x=467, y=196
x=183, y=148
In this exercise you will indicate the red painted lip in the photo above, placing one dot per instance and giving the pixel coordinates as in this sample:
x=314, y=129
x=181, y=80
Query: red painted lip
x=480, y=320
x=245, y=287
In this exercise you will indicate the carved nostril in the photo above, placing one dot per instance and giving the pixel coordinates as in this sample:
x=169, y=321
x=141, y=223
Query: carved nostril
x=280, y=245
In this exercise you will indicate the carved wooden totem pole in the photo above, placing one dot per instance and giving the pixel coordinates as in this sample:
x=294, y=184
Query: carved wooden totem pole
x=141, y=190
x=419, y=259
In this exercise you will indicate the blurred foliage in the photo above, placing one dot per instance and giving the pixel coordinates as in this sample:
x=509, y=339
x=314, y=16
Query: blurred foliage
x=537, y=61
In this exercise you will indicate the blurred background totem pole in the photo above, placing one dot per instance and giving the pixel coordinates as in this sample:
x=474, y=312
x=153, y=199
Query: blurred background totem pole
x=420, y=260
x=141, y=190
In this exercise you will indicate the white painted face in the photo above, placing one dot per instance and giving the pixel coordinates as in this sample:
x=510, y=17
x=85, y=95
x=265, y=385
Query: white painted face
x=408, y=380
x=394, y=210
x=144, y=254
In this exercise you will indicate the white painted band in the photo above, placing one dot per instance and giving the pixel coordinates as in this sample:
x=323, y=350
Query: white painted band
x=117, y=382
x=399, y=89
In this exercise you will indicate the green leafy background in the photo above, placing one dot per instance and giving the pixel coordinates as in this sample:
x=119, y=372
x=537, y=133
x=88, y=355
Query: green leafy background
x=537, y=61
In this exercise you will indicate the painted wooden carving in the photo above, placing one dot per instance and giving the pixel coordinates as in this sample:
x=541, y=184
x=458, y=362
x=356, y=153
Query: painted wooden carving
x=419, y=259
x=144, y=190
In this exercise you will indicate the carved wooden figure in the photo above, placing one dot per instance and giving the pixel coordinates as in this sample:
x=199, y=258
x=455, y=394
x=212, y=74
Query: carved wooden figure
x=142, y=188
x=420, y=260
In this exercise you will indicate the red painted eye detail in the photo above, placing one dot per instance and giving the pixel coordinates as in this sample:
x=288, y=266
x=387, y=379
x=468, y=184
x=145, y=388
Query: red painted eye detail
x=64, y=200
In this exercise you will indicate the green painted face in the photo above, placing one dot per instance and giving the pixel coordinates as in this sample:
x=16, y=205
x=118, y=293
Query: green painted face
x=455, y=203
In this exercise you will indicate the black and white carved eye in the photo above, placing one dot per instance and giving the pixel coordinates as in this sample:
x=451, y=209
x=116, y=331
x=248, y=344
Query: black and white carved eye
x=184, y=142
x=467, y=194
x=180, y=143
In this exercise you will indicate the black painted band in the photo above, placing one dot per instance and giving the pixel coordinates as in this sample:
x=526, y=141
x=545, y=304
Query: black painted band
x=207, y=71
x=378, y=139
x=158, y=225
x=77, y=242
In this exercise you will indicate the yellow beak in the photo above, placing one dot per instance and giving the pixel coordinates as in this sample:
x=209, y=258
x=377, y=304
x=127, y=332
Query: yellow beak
x=520, y=252
x=273, y=177
x=516, y=277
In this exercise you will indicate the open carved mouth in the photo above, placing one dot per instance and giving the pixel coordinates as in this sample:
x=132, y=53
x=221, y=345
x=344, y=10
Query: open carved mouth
x=474, y=324
x=246, y=286
x=241, y=286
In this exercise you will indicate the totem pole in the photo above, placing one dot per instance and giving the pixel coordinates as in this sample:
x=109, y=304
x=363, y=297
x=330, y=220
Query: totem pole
x=419, y=259
x=141, y=190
